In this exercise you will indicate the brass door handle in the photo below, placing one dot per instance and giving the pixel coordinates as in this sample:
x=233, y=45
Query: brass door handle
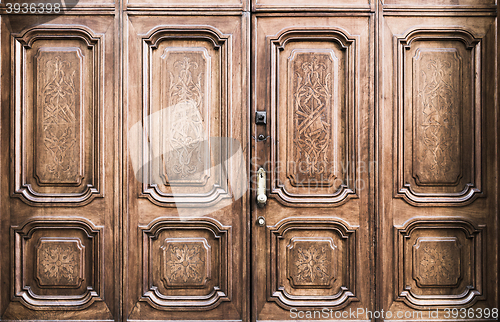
x=261, y=187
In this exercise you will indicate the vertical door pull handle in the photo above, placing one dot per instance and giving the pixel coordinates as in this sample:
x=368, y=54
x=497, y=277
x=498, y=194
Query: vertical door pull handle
x=261, y=187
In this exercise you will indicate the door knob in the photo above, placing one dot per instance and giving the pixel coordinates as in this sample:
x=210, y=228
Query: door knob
x=261, y=187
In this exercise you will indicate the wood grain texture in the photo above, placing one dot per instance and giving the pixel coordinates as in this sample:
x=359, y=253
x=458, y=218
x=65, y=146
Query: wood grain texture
x=59, y=222
x=440, y=263
x=57, y=116
x=438, y=212
x=439, y=113
x=312, y=271
x=381, y=152
x=313, y=249
x=189, y=269
x=180, y=161
x=186, y=229
x=52, y=269
x=312, y=98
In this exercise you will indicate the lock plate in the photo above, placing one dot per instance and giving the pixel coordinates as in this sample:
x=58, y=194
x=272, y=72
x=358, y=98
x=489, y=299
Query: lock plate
x=260, y=117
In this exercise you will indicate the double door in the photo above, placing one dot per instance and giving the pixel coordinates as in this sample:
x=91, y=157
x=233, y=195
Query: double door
x=249, y=161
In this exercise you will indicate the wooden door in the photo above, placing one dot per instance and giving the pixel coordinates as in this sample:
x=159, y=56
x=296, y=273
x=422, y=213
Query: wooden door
x=312, y=249
x=186, y=239
x=60, y=192
x=438, y=158
x=130, y=153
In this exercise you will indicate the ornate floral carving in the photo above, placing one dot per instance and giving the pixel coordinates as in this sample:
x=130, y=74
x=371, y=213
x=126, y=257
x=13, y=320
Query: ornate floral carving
x=185, y=262
x=437, y=262
x=182, y=86
x=59, y=119
x=184, y=152
x=312, y=265
x=178, y=268
x=312, y=102
x=312, y=271
x=310, y=261
x=438, y=117
x=59, y=262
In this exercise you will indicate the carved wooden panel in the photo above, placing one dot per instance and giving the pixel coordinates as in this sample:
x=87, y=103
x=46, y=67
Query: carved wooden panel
x=437, y=82
x=185, y=102
x=311, y=262
x=57, y=107
x=313, y=103
x=58, y=264
x=437, y=261
x=312, y=271
x=439, y=113
x=440, y=262
x=313, y=82
x=186, y=264
x=184, y=108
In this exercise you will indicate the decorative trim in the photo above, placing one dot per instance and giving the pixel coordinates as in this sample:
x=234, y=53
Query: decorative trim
x=347, y=43
x=222, y=43
x=405, y=186
x=277, y=292
x=218, y=294
x=22, y=185
x=25, y=293
x=472, y=289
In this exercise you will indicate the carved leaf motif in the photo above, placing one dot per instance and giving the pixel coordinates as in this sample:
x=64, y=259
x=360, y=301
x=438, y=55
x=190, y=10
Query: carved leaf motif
x=59, y=263
x=59, y=120
x=185, y=264
x=313, y=265
x=59, y=93
x=186, y=133
x=312, y=96
x=438, y=119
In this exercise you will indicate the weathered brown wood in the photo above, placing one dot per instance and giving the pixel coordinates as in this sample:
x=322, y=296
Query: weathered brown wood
x=314, y=250
x=438, y=217
x=186, y=231
x=124, y=124
x=58, y=224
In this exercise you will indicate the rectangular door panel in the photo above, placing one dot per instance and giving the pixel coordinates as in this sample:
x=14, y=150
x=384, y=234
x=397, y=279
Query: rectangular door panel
x=311, y=240
x=59, y=213
x=319, y=5
x=186, y=234
x=438, y=212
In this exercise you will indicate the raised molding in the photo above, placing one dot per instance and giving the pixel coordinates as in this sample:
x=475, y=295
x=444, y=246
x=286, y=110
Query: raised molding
x=214, y=184
x=459, y=49
x=213, y=269
x=460, y=265
x=333, y=94
x=28, y=127
x=74, y=292
x=283, y=239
